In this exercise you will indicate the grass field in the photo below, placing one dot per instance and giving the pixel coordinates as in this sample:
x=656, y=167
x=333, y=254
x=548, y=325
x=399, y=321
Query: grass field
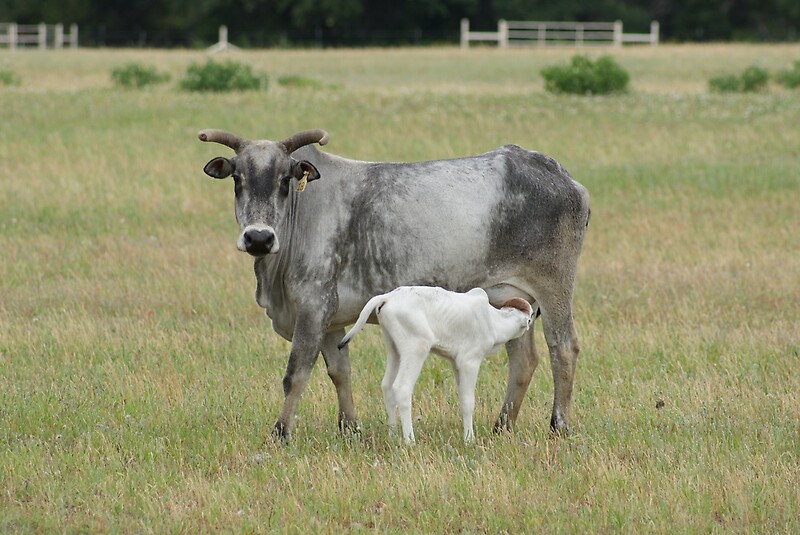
x=139, y=380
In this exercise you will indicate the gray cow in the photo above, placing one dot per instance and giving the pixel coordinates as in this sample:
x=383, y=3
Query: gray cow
x=510, y=221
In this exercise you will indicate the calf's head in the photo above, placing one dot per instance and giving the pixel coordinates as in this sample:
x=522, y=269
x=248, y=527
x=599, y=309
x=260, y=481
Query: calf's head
x=263, y=174
x=521, y=311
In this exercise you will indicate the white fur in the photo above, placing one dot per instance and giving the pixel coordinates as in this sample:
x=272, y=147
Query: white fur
x=416, y=320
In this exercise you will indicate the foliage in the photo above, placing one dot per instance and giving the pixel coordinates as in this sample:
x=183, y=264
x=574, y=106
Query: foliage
x=754, y=79
x=584, y=77
x=728, y=83
x=751, y=79
x=790, y=78
x=136, y=76
x=223, y=76
x=8, y=77
x=293, y=80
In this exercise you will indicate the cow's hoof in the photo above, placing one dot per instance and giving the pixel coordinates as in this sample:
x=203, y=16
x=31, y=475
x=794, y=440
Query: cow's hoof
x=558, y=426
x=502, y=425
x=349, y=427
x=280, y=432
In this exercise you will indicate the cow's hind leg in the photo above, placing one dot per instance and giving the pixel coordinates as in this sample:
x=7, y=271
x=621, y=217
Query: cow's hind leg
x=522, y=362
x=562, y=341
x=338, y=364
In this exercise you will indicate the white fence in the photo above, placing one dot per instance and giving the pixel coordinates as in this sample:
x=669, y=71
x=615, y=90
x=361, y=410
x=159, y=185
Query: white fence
x=42, y=35
x=540, y=33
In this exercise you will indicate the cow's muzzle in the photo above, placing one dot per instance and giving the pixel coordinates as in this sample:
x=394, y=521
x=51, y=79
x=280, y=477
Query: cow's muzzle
x=258, y=241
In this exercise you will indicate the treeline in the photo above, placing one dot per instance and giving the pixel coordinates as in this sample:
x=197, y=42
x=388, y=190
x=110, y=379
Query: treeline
x=259, y=23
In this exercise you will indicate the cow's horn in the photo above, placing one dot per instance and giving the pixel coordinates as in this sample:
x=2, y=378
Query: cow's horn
x=306, y=137
x=221, y=136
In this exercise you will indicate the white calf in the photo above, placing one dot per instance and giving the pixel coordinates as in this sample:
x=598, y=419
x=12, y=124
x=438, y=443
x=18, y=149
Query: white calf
x=464, y=328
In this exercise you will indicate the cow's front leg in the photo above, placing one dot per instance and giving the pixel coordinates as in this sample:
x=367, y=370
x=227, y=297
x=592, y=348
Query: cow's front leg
x=306, y=342
x=338, y=364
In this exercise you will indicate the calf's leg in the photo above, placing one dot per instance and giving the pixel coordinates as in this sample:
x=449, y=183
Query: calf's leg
x=412, y=355
x=392, y=366
x=466, y=369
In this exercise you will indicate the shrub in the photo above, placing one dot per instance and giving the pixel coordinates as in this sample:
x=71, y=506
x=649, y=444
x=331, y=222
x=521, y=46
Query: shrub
x=8, y=77
x=222, y=76
x=134, y=76
x=584, y=77
x=752, y=79
x=790, y=78
x=725, y=84
x=291, y=80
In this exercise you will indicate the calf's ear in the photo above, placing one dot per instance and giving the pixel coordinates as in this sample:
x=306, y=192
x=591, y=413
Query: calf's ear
x=303, y=167
x=219, y=167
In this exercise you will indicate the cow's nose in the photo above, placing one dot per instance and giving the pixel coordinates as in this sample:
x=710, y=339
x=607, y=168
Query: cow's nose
x=258, y=242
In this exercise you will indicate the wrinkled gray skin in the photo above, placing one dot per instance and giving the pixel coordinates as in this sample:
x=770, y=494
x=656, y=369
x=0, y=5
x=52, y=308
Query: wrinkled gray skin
x=510, y=221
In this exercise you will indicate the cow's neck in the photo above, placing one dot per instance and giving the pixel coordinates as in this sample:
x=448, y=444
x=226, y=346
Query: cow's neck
x=272, y=271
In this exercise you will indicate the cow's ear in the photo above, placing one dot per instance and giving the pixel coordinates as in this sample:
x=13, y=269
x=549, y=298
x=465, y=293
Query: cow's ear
x=307, y=169
x=219, y=167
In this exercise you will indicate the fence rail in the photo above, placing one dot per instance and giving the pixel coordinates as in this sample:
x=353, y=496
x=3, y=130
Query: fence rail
x=524, y=33
x=42, y=35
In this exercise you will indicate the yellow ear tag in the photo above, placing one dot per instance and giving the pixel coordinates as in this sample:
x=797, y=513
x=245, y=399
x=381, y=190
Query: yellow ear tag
x=301, y=184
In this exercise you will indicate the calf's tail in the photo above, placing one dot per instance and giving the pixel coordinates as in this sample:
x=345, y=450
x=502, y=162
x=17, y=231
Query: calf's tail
x=374, y=303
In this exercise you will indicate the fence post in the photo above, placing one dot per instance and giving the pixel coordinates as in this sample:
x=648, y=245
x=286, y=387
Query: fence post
x=12, y=35
x=223, y=43
x=58, y=38
x=579, y=36
x=464, y=34
x=541, y=34
x=42, y=35
x=73, y=35
x=617, y=33
x=654, y=31
x=502, y=33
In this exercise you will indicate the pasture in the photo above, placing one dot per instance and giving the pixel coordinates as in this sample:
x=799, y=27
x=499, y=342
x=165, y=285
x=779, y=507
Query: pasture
x=139, y=380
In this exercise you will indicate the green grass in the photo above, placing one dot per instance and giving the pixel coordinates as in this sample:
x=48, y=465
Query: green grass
x=139, y=380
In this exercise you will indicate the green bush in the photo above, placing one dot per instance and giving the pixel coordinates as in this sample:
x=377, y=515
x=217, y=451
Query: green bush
x=584, y=77
x=135, y=76
x=790, y=78
x=752, y=79
x=729, y=83
x=291, y=80
x=222, y=76
x=8, y=77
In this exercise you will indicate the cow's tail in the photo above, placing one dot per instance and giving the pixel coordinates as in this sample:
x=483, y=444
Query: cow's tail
x=373, y=304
